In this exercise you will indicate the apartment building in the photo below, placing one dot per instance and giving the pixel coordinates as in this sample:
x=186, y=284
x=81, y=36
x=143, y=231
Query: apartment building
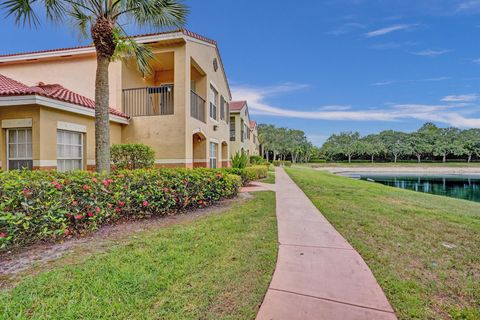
x=180, y=110
x=243, y=131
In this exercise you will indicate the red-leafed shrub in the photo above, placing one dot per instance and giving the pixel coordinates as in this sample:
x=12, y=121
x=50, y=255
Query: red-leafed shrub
x=41, y=205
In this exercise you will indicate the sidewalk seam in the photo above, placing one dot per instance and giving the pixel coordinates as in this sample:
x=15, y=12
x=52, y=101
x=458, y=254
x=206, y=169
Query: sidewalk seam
x=331, y=300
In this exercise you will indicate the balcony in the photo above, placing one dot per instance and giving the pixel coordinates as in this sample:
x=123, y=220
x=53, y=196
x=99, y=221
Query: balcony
x=197, y=107
x=149, y=101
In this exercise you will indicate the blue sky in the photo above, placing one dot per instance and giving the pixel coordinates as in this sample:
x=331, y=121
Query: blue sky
x=334, y=65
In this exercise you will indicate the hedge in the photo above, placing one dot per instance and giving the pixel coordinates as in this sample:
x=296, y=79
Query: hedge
x=249, y=173
x=278, y=163
x=40, y=205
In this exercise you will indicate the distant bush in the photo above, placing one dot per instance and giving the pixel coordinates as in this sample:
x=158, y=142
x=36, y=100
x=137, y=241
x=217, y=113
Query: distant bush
x=45, y=205
x=239, y=160
x=318, y=161
x=278, y=163
x=132, y=156
x=256, y=172
x=258, y=160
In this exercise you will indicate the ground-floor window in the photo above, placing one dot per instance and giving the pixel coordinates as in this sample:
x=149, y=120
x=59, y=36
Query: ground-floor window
x=69, y=150
x=213, y=154
x=19, y=149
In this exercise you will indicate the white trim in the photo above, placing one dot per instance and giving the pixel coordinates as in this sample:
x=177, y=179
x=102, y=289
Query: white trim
x=17, y=123
x=173, y=161
x=201, y=160
x=215, y=86
x=55, y=104
x=67, y=126
x=214, y=140
x=44, y=163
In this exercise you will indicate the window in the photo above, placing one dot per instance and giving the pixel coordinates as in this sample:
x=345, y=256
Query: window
x=213, y=103
x=242, y=128
x=213, y=155
x=222, y=108
x=232, y=129
x=19, y=149
x=69, y=150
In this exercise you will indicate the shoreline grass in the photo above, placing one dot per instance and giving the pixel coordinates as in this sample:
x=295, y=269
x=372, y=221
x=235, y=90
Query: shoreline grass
x=216, y=267
x=423, y=249
x=393, y=164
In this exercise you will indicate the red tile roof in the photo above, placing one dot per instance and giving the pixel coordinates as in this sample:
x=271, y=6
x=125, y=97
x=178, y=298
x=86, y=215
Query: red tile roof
x=253, y=124
x=236, y=105
x=10, y=87
x=183, y=31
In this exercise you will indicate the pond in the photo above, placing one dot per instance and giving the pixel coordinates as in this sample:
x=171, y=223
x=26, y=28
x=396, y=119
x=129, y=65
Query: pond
x=457, y=186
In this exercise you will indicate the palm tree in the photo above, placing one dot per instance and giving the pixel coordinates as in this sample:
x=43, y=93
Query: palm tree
x=104, y=19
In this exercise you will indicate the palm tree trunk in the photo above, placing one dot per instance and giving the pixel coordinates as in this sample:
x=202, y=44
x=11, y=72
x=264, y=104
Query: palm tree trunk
x=102, y=125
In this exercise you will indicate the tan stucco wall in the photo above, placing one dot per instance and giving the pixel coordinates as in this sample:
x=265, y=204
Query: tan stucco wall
x=253, y=143
x=238, y=145
x=48, y=133
x=20, y=112
x=203, y=55
x=74, y=73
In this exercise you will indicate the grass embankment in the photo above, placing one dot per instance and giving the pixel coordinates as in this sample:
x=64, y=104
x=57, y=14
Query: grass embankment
x=393, y=164
x=423, y=249
x=217, y=267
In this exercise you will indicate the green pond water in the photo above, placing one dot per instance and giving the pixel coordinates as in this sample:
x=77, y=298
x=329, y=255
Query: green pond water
x=456, y=186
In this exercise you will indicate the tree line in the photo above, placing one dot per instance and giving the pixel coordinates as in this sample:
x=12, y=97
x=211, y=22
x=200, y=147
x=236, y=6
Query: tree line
x=285, y=144
x=428, y=142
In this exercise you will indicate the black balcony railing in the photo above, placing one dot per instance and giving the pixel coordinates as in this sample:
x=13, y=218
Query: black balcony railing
x=150, y=101
x=197, y=106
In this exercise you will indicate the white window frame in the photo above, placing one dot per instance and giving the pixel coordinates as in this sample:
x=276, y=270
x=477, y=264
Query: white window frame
x=213, y=103
x=9, y=130
x=82, y=147
x=213, y=155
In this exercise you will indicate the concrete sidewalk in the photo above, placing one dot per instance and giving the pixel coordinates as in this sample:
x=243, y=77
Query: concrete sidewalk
x=318, y=274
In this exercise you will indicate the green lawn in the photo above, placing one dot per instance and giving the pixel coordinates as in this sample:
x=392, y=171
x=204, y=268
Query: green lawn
x=217, y=267
x=402, y=235
x=270, y=177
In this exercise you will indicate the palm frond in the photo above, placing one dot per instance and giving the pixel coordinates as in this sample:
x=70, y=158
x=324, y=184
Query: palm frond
x=55, y=9
x=80, y=20
x=156, y=13
x=22, y=11
x=128, y=47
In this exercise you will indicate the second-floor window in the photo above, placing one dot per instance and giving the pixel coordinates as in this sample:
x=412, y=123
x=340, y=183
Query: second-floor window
x=223, y=104
x=213, y=103
x=242, y=134
x=232, y=129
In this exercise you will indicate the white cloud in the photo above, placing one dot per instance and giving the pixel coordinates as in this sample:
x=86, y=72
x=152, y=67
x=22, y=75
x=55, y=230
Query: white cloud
x=430, y=53
x=387, y=30
x=388, y=82
x=468, y=5
x=461, y=98
x=257, y=100
x=346, y=28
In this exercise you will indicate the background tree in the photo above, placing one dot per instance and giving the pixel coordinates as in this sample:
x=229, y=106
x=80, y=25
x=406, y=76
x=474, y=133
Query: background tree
x=470, y=143
x=103, y=20
x=372, y=146
x=344, y=143
x=447, y=142
x=396, y=143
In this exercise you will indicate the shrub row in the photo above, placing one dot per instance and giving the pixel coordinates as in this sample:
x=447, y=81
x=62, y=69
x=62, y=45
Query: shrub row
x=39, y=205
x=249, y=173
x=278, y=163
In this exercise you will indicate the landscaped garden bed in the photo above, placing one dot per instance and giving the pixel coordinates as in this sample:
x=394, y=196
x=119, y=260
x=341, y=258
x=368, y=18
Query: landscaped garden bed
x=39, y=205
x=213, y=267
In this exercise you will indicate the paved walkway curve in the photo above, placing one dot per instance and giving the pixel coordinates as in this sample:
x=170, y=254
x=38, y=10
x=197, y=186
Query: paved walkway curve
x=318, y=274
